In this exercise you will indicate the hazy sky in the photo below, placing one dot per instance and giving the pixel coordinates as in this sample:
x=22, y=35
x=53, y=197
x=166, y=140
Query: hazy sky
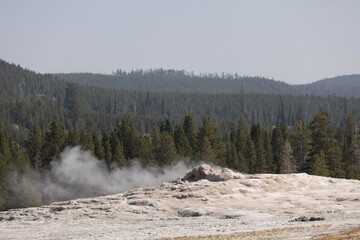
x=289, y=40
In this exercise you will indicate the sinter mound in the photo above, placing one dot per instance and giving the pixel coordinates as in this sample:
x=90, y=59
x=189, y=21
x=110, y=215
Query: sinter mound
x=204, y=204
x=204, y=171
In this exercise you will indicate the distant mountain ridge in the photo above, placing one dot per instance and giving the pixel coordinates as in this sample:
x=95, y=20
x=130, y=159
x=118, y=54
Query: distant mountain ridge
x=160, y=80
x=345, y=85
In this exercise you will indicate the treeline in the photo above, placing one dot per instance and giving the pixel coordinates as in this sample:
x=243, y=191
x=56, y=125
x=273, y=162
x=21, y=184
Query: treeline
x=160, y=80
x=315, y=148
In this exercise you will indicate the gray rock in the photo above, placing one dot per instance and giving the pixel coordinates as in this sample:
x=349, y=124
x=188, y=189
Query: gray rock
x=204, y=171
x=187, y=212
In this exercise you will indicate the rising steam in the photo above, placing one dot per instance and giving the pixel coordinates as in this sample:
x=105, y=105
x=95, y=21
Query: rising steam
x=79, y=174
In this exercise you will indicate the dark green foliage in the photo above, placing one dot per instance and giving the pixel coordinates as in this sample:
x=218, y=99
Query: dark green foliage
x=323, y=140
x=287, y=160
x=130, y=139
x=240, y=137
x=105, y=142
x=211, y=132
x=146, y=153
x=86, y=141
x=250, y=155
x=181, y=142
x=205, y=151
x=301, y=145
x=318, y=166
x=160, y=80
x=117, y=154
x=73, y=138
x=243, y=163
x=53, y=143
x=277, y=143
x=98, y=148
x=232, y=159
x=190, y=130
x=72, y=101
x=351, y=151
x=34, y=145
x=258, y=138
x=270, y=167
x=165, y=151
x=5, y=160
x=169, y=127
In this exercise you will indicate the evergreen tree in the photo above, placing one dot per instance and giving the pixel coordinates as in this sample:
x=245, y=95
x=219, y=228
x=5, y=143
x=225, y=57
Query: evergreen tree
x=323, y=139
x=53, y=144
x=162, y=126
x=233, y=134
x=117, y=154
x=318, y=166
x=109, y=106
x=301, y=145
x=73, y=138
x=169, y=127
x=190, y=131
x=165, y=151
x=209, y=130
x=241, y=137
x=243, y=163
x=34, y=145
x=181, y=142
x=205, y=151
x=257, y=137
x=5, y=159
x=20, y=162
x=72, y=101
x=130, y=139
x=232, y=160
x=105, y=142
x=352, y=167
x=4, y=148
x=98, y=148
x=155, y=138
x=250, y=155
x=86, y=141
x=146, y=154
x=351, y=152
x=277, y=142
x=287, y=160
x=269, y=165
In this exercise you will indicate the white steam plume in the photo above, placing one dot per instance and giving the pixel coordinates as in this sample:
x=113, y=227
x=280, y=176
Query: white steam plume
x=79, y=174
x=80, y=168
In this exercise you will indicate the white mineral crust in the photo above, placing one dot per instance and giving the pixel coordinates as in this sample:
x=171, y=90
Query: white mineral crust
x=204, y=202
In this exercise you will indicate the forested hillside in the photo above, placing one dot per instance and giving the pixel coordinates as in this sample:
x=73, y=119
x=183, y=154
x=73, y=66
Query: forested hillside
x=348, y=85
x=160, y=80
x=29, y=98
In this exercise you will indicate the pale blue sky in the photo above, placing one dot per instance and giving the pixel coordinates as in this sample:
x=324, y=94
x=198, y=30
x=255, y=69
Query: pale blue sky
x=296, y=41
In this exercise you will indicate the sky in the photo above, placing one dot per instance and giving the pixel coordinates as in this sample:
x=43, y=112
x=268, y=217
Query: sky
x=297, y=41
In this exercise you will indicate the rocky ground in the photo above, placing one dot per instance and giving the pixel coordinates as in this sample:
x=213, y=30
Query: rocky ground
x=205, y=204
